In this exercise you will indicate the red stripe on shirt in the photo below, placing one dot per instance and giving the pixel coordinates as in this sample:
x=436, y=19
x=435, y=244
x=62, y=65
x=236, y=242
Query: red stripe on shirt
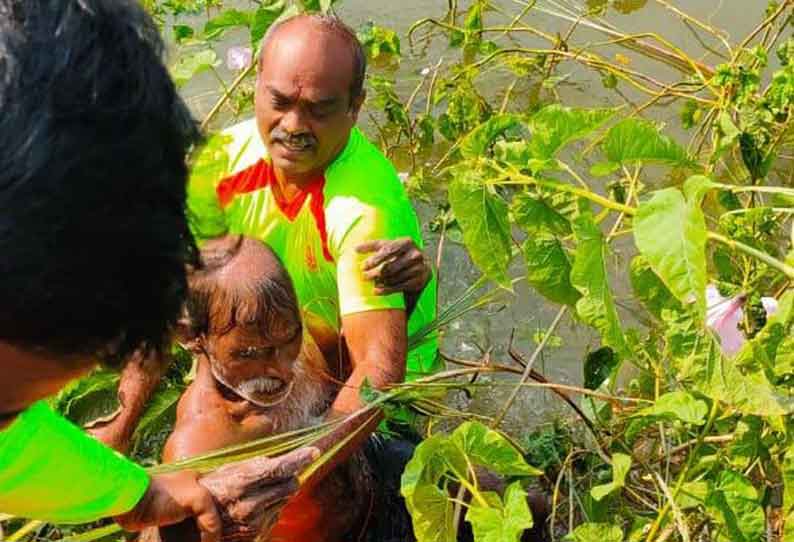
x=261, y=175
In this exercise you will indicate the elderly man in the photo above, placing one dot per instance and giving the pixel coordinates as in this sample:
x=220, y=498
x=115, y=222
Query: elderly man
x=94, y=242
x=302, y=178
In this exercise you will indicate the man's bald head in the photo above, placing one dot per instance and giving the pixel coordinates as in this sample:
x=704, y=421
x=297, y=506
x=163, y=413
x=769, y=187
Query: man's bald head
x=320, y=31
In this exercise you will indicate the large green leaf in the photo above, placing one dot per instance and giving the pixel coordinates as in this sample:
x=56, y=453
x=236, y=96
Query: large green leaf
x=89, y=399
x=225, y=20
x=787, y=472
x=429, y=505
x=549, y=269
x=595, y=532
x=634, y=140
x=670, y=232
x=679, y=405
x=701, y=362
x=157, y=423
x=734, y=504
x=188, y=66
x=649, y=289
x=589, y=276
x=501, y=522
x=771, y=347
x=266, y=14
x=555, y=126
x=477, y=142
x=535, y=215
x=482, y=216
x=599, y=366
x=487, y=448
x=621, y=464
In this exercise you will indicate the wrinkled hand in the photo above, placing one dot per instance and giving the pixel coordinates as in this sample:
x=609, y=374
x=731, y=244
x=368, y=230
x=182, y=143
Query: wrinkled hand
x=238, y=500
x=396, y=266
x=251, y=494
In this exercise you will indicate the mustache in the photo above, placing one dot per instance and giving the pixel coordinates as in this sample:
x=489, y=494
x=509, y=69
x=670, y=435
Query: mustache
x=249, y=389
x=294, y=140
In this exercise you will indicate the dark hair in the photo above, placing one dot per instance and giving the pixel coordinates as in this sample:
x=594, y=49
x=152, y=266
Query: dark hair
x=239, y=281
x=94, y=137
x=334, y=25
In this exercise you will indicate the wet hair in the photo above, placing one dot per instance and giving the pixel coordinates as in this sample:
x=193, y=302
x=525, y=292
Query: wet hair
x=240, y=281
x=93, y=233
x=333, y=25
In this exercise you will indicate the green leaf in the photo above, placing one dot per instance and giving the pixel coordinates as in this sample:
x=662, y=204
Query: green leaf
x=649, y=288
x=156, y=423
x=264, y=17
x=228, y=18
x=549, y=269
x=555, y=126
x=182, y=32
x=90, y=398
x=634, y=140
x=501, y=522
x=486, y=447
x=680, y=405
x=432, y=515
x=534, y=215
x=477, y=142
x=189, y=66
x=482, y=216
x=598, y=366
x=589, y=276
x=771, y=348
x=621, y=464
x=734, y=504
x=603, y=169
x=513, y=152
x=671, y=233
x=595, y=532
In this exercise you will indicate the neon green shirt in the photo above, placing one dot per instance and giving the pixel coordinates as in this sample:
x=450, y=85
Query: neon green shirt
x=359, y=198
x=51, y=470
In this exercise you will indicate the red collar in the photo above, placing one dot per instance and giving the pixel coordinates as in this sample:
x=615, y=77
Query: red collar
x=261, y=175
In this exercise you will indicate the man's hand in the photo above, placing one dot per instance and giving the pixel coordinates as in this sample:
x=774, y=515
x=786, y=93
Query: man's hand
x=241, y=497
x=396, y=266
x=251, y=494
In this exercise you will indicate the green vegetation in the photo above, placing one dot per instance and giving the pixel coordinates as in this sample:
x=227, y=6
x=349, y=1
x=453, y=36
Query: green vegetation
x=672, y=437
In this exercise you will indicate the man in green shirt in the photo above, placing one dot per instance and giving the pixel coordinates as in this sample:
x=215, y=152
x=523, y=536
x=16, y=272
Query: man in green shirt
x=93, y=244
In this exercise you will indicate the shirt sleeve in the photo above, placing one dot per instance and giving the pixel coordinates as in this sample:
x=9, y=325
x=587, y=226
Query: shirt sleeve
x=356, y=292
x=206, y=216
x=50, y=470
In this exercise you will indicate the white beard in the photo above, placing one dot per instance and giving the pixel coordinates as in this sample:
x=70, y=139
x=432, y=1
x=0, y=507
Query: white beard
x=304, y=403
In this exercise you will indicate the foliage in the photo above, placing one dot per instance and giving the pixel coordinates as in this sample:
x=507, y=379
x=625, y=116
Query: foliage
x=677, y=440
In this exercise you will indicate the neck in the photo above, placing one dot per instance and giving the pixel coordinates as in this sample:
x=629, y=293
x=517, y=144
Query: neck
x=298, y=181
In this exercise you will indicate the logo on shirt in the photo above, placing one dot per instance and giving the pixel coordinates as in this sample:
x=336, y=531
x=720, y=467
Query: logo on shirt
x=311, y=259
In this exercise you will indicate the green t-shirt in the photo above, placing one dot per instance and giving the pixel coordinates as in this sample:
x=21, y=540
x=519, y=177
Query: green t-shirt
x=51, y=470
x=359, y=198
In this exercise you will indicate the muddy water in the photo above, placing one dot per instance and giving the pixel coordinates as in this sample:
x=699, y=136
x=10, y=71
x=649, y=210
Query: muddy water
x=527, y=313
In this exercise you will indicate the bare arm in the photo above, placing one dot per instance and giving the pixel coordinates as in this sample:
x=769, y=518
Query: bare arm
x=139, y=379
x=376, y=341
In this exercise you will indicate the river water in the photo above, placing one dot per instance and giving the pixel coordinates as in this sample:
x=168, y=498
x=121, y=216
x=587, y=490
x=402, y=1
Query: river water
x=526, y=313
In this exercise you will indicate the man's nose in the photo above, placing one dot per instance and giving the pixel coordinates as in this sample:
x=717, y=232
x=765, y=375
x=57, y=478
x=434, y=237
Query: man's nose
x=294, y=122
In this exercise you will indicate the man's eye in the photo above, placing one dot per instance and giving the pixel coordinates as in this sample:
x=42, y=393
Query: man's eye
x=279, y=103
x=248, y=353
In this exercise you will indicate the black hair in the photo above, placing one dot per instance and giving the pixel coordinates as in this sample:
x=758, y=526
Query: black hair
x=333, y=24
x=239, y=281
x=94, y=137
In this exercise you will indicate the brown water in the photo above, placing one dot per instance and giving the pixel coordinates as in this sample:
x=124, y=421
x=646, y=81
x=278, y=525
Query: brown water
x=527, y=313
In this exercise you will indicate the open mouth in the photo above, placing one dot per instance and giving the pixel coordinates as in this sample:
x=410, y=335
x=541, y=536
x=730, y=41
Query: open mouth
x=266, y=391
x=296, y=147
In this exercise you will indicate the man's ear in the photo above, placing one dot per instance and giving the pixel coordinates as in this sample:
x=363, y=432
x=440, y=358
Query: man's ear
x=185, y=332
x=355, y=106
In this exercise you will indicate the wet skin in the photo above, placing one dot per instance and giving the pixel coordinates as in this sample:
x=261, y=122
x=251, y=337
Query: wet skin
x=210, y=416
